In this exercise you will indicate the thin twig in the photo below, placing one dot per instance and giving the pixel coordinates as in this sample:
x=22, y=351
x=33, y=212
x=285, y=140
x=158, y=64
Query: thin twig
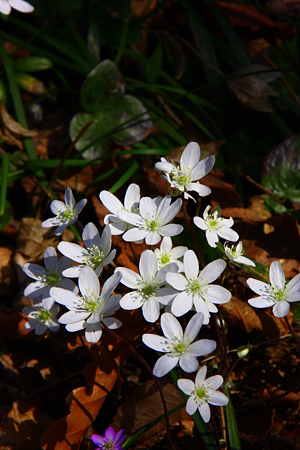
x=295, y=336
x=262, y=188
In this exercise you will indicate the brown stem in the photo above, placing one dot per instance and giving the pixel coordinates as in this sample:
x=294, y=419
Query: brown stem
x=295, y=336
x=187, y=219
x=145, y=364
x=225, y=354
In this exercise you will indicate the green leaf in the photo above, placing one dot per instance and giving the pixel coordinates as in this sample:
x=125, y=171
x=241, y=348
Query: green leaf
x=94, y=131
x=32, y=64
x=6, y=217
x=154, y=65
x=233, y=432
x=103, y=82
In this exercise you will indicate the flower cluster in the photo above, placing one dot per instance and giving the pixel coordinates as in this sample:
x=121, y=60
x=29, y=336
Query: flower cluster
x=170, y=278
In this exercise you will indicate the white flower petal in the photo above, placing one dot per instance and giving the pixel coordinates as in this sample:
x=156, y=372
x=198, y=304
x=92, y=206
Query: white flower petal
x=202, y=307
x=201, y=375
x=110, y=285
x=93, y=333
x=200, y=223
x=164, y=364
x=257, y=286
x=203, y=167
x=110, y=201
x=73, y=317
x=186, y=386
x=112, y=323
x=191, y=406
x=151, y=310
x=216, y=294
x=152, y=238
x=214, y=382
x=158, y=343
x=75, y=326
x=50, y=258
x=212, y=238
x=147, y=206
x=40, y=329
x=201, y=189
x=135, y=235
x=88, y=282
x=194, y=326
x=294, y=285
x=132, y=300
x=73, y=251
x=190, y=155
x=204, y=411
x=129, y=277
x=73, y=272
x=34, y=270
x=90, y=237
x=182, y=303
x=188, y=363
x=178, y=281
x=78, y=208
x=218, y=399
x=169, y=213
x=260, y=302
x=164, y=166
x=59, y=230
x=191, y=265
x=148, y=264
x=132, y=196
x=228, y=234
x=170, y=230
x=202, y=347
x=56, y=206
x=170, y=326
x=213, y=270
x=281, y=309
x=64, y=297
x=34, y=290
x=277, y=276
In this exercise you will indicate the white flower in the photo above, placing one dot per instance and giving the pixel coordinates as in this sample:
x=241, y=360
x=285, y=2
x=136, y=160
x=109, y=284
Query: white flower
x=195, y=288
x=184, y=177
x=203, y=392
x=65, y=213
x=96, y=254
x=91, y=308
x=166, y=255
x=113, y=204
x=278, y=294
x=47, y=277
x=178, y=346
x=215, y=226
x=149, y=292
x=152, y=222
x=19, y=5
x=235, y=253
x=41, y=318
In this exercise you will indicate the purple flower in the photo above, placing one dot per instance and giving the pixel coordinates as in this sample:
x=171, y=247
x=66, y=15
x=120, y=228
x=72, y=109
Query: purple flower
x=111, y=440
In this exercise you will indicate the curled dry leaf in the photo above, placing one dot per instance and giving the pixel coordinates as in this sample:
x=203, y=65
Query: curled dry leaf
x=12, y=125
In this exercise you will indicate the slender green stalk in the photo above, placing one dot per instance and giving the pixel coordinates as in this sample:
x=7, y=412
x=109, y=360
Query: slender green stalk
x=4, y=177
x=233, y=432
x=124, y=34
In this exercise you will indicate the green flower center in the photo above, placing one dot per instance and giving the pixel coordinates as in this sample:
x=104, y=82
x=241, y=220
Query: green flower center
x=152, y=223
x=149, y=290
x=165, y=259
x=52, y=278
x=92, y=303
x=65, y=215
x=200, y=392
x=96, y=257
x=180, y=348
x=182, y=179
x=43, y=315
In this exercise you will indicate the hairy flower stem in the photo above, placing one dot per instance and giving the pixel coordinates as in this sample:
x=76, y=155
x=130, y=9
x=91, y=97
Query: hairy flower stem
x=295, y=336
x=199, y=251
x=145, y=364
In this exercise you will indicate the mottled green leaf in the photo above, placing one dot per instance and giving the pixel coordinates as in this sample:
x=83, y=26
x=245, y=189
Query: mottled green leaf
x=95, y=130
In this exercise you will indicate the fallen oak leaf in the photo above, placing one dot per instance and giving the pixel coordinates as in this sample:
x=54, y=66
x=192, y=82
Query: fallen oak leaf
x=84, y=404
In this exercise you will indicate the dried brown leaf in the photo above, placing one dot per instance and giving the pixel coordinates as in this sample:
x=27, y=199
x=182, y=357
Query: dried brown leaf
x=239, y=314
x=144, y=404
x=12, y=125
x=23, y=427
